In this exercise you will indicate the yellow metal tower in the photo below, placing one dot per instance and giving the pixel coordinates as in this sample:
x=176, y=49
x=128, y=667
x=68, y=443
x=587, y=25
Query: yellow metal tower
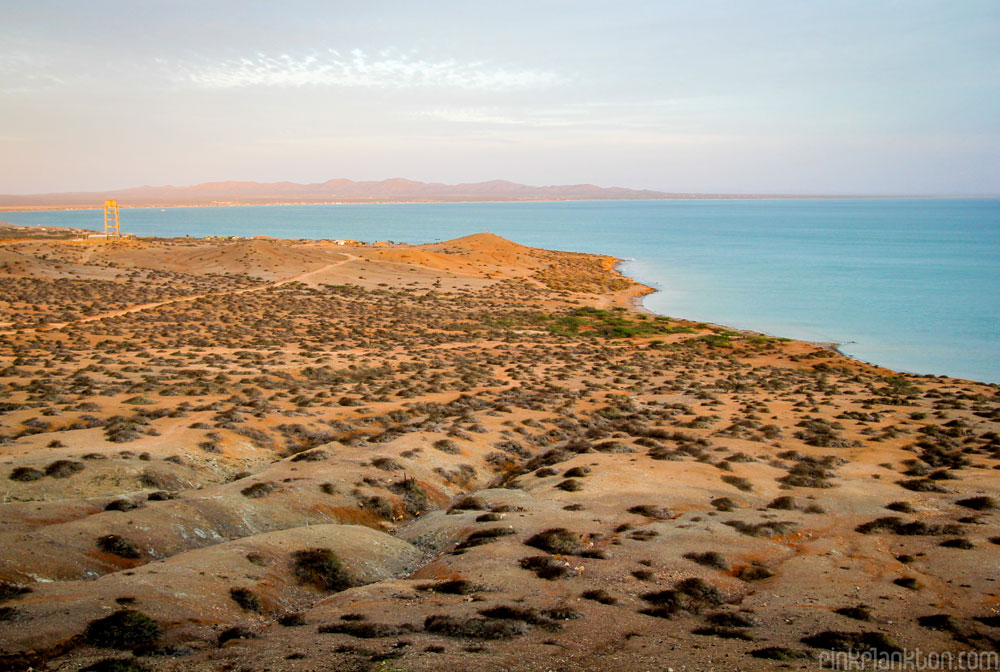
x=111, y=224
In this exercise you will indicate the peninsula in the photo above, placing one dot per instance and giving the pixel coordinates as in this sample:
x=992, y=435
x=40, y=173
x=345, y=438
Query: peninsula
x=298, y=455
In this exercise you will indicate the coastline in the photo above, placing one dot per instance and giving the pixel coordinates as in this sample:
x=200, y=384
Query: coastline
x=693, y=197
x=636, y=302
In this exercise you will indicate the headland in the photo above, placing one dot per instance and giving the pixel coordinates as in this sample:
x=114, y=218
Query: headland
x=298, y=455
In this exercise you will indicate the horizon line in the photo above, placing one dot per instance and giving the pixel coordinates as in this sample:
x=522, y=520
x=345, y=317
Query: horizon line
x=367, y=191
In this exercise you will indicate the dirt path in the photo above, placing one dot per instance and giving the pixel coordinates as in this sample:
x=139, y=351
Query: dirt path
x=193, y=297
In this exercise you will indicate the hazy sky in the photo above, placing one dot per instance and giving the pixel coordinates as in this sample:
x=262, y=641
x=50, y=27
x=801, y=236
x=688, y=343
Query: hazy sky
x=802, y=96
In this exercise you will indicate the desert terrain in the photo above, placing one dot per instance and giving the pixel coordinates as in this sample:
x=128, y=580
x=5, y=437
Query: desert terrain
x=258, y=455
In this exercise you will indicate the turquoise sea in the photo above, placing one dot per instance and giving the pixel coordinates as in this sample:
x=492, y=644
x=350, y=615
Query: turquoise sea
x=912, y=284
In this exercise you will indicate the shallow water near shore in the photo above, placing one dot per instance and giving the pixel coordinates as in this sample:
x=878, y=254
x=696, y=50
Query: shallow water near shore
x=912, y=284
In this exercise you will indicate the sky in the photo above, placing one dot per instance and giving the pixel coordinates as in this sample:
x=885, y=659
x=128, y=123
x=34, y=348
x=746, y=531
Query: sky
x=708, y=96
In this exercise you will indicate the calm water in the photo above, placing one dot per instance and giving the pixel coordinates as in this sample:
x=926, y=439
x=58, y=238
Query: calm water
x=913, y=284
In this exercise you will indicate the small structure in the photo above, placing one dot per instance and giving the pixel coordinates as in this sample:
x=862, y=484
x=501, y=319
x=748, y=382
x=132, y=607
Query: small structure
x=112, y=227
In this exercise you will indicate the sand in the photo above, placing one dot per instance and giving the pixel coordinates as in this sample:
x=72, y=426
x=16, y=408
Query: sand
x=181, y=419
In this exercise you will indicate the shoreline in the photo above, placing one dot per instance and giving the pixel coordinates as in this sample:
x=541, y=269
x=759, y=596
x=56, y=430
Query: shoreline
x=637, y=304
x=696, y=197
x=635, y=300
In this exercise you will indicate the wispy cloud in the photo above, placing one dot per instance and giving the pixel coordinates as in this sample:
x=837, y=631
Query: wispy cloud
x=358, y=69
x=667, y=116
x=20, y=73
x=494, y=117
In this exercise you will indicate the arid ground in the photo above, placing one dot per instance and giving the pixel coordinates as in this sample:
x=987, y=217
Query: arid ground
x=291, y=455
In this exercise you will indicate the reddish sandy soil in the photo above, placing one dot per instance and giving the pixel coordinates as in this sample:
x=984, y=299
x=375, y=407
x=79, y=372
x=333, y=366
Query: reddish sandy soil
x=281, y=455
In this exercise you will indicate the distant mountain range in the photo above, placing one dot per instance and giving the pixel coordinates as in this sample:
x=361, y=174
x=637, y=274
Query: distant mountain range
x=336, y=191
x=395, y=190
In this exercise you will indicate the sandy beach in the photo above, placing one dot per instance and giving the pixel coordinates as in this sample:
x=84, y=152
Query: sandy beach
x=296, y=455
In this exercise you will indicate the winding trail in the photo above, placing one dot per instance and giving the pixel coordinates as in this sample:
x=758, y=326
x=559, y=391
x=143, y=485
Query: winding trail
x=180, y=299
